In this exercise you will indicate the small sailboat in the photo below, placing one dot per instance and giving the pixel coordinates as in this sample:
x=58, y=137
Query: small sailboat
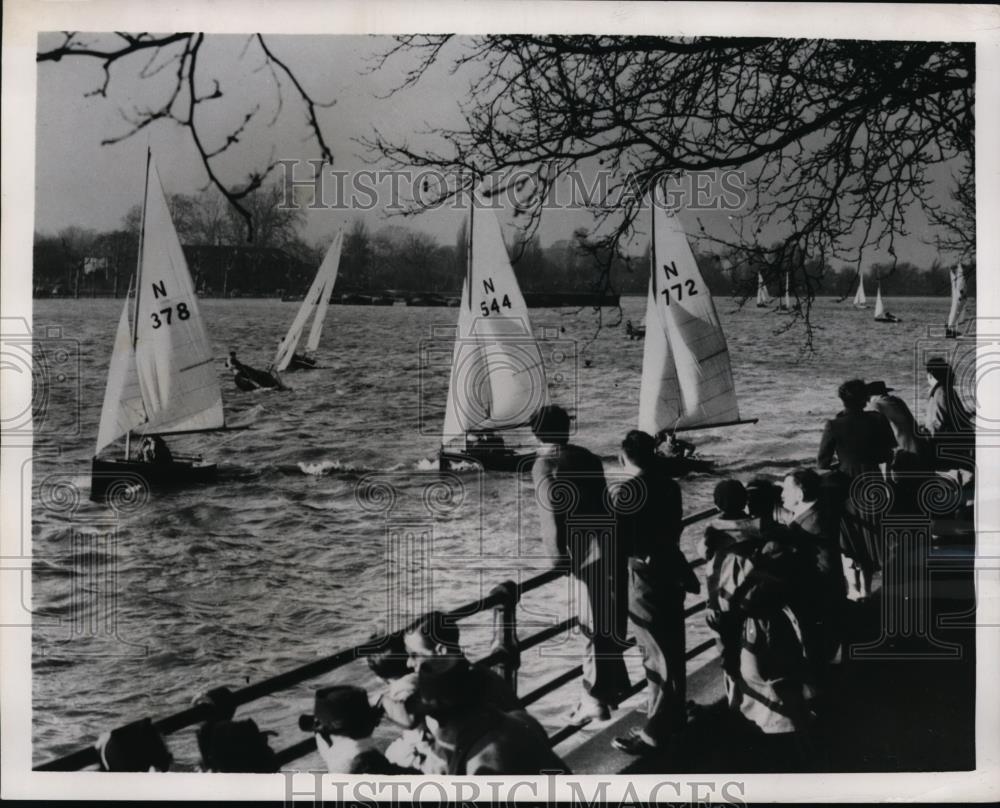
x=687, y=379
x=785, y=304
x=161, y=379
x=881, y=315
x=860, y=301
x=763, y=298
x=315, y=303
x=634, y=332
x=959, y=297
x=497, y=376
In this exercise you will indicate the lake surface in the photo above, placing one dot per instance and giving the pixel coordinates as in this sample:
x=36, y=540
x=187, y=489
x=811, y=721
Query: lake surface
x=293, y=554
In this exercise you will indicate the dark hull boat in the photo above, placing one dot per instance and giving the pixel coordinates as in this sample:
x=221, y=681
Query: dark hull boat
x=109, y=475
x=494, y=460
x=301, y=362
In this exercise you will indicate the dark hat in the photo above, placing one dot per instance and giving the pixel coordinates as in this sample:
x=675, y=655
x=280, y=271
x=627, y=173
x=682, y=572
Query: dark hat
x=730, y=496
x=939, y=368
x=134, y=748
x=342, y=710
x=446, y=684
x=236, y=747
x=551, y=423
x=878, y=389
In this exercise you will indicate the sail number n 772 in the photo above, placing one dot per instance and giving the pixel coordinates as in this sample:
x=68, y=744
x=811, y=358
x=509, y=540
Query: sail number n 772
x=493, y=306
x=680, y=290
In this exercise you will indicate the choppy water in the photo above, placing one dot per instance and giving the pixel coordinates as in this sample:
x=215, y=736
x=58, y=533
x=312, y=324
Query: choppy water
x=284, y=560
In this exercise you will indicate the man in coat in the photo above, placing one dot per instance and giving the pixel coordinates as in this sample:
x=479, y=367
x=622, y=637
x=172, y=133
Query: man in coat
x=578, y=530
x=904, y=425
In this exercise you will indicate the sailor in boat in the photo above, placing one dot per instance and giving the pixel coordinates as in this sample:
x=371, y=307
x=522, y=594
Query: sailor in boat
x=248, y=378
x=485, y=445
x=154, y=449
x=634, y=332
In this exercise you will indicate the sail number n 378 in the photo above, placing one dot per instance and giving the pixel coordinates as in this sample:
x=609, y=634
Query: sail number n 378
x=166, y=315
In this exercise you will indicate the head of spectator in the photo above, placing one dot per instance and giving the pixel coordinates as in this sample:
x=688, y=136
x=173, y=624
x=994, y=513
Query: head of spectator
x=341, y=711
x=236, y=747
x=433, y=635
x=638, y=450
x=762, y=498
x=551, y=425
x=853, y=394
x=731, y=498
x=136, y=747
x=877, y=389
x=800, y=489
x=939, y=372
x=388, y=659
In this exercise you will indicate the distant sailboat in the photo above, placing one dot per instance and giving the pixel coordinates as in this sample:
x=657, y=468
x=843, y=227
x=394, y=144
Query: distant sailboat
x=161, y=378
x=316, y=302
x=497, y=376
x=958, y=300
x=687, y=380
x=785, y=304
x=763, y=298
x=860, y=301
x=881, y=315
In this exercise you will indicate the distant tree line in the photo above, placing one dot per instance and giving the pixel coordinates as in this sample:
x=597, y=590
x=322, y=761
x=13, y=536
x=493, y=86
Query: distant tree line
x=82, y=262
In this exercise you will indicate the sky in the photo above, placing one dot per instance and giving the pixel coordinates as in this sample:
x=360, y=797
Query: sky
x=80, y=182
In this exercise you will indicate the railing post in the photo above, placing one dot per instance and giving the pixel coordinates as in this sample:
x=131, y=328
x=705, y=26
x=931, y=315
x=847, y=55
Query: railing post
x=505, y=630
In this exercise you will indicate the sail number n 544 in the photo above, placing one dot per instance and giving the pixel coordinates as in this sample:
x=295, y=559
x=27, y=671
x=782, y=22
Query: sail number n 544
x=494, y=306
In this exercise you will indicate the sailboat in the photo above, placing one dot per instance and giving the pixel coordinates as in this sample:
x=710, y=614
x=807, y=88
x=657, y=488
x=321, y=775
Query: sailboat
x=785, y=304
x=497, y=376
x=315, y=303
x=161, y=379
x=958, y=301
x=881, y=315
x=687, y=379
x=763, y=298
x=860, y=301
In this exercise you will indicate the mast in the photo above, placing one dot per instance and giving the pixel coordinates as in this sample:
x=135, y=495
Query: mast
x=138, y=278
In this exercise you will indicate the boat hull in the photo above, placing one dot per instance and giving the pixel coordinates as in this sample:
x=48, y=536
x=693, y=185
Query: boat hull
x=300, y=362
x=506, y=460
x=890, y=319
x=107, y=475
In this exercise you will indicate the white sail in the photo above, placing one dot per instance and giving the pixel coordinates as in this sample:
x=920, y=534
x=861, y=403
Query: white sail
x=315, y=302
x=497, y=376
x=123, y=410
x=687, y=380
x=331, y=263
x=859, y=296
x=958, y=295
x=763, y=298
x=177, y=377
x=879, y=307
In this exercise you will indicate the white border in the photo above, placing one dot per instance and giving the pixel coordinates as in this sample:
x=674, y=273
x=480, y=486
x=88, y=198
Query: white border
x=23, y=19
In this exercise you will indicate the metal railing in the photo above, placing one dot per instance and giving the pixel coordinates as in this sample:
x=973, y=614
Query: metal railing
x=505, y=654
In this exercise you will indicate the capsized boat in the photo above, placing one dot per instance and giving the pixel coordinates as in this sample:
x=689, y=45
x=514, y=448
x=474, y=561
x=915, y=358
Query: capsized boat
x=959, y=297
x=497, y=376
x=315, y=303
x=860, y=301
x=161, y=379
x=881, y=315
x=687, y=378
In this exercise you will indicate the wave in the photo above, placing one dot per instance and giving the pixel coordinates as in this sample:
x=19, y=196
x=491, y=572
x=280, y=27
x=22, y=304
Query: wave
x=321, y=468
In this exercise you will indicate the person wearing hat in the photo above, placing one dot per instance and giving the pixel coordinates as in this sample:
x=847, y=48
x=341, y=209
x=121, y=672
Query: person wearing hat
x=136, y=747
x=904, y=425
x=236, y=747
x=578, y=530
x=343, y=722
x=474, y=736
x=648, y=525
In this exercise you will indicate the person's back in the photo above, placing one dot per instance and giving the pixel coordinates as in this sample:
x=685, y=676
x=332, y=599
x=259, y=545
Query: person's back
x=493, y=742
x=904, y=425
x=860, y=439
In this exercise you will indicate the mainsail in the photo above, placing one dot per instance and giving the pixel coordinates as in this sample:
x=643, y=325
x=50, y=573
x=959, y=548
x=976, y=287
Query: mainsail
x=497, y=375
x=763, y=298
x=687, y=380
x=958, y=296
x=859, y=296
x=316, y=301
x=165, y=381
x=879, y=307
